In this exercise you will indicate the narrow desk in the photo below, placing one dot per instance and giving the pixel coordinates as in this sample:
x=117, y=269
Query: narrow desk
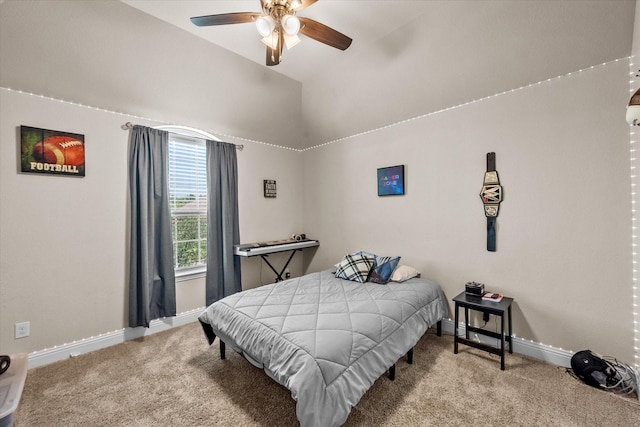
x=491, y=307
x=263, y=249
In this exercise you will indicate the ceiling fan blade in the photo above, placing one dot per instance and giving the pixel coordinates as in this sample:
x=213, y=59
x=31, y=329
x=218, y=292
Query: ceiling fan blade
x=304, y=4
x=225, y=18
x=324, y=34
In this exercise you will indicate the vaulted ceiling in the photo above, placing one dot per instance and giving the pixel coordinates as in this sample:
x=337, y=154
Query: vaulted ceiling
x=465, y=34
x=409, y=58
x=366, y=22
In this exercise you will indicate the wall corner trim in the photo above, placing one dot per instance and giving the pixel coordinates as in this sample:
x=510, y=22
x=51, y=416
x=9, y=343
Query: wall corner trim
x=44, y=357
x=78, y=348
x=535, y=350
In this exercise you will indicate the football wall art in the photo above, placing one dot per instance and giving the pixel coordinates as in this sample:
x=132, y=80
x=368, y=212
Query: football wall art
x=51, y=152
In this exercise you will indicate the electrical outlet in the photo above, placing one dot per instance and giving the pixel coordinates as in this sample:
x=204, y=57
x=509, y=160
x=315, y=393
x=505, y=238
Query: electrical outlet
x=287, y=274
x=22, y=329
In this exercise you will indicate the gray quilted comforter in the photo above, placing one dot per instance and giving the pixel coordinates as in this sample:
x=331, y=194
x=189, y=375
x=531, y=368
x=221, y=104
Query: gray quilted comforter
x=326, y=339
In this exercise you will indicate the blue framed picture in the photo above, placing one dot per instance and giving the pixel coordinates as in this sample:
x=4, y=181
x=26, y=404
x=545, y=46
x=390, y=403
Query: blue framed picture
x=391, y=181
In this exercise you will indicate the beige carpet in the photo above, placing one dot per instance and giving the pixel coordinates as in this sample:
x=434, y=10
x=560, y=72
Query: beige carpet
x=174, y=378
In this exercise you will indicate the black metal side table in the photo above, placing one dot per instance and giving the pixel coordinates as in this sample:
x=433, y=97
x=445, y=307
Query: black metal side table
x=492, y=307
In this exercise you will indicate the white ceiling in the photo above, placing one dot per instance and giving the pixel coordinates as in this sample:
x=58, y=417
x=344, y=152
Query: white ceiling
x=366, y=22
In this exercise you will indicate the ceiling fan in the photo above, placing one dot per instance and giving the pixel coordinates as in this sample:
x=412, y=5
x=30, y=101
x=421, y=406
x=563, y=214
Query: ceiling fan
x=278, y=25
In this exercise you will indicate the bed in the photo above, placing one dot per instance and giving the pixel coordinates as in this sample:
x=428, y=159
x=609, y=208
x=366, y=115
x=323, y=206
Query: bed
x=325, y=338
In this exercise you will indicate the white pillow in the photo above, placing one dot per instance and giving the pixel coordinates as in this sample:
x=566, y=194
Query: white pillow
x=404, y=272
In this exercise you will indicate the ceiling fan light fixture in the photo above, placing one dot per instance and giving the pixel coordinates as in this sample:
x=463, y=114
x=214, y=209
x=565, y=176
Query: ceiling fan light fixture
x=290, y=24
x=271, y=40
x=265, y=25
x=278, y=26
x=291, y=41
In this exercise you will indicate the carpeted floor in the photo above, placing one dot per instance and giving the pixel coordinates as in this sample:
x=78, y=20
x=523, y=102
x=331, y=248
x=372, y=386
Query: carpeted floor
x=174, y=378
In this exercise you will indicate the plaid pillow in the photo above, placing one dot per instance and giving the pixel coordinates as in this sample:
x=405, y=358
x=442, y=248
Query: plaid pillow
x=355, y=268
x=366, y=254
x=383, y=269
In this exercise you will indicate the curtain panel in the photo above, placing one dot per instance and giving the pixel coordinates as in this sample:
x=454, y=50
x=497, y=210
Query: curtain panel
x=223, y=230
x=152, y=291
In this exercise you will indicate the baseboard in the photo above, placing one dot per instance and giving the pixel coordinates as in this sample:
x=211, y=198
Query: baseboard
x=556, y=356
x=76, y=348
x=532, y=349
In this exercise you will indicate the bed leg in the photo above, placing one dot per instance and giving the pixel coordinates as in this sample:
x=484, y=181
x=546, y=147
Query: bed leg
x=439, y=328
x=392, y=372
x=410, y=356
x=222, y=349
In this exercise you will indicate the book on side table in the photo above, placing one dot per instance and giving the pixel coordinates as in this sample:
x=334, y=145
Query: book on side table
x=490, y=296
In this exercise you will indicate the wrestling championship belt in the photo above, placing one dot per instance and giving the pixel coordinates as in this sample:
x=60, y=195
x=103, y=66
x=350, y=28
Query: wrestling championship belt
x=491, y=196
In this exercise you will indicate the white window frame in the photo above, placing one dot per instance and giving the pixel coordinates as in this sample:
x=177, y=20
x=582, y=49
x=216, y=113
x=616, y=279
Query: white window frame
x=188, y=135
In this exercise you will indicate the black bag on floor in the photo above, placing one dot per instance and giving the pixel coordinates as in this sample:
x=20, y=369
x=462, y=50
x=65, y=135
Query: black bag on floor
x=593, y=369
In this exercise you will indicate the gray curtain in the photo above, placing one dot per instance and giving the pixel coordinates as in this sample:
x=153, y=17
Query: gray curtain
x=152, y=283
x=223, y=230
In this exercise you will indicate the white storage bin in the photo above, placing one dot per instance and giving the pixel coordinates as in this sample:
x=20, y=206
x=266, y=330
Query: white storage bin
x=11, y=385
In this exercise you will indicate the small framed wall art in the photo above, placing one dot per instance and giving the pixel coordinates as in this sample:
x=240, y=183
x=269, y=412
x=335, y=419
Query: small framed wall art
x=270, y=188
x=391, y=181
x=51, y=152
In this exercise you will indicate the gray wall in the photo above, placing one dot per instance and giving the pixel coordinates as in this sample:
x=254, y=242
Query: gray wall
x=563, y=237
x=564, y=231
x=63, y=241
x=635, y=182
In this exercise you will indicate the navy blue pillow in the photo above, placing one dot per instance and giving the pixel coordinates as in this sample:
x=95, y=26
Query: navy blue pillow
x=383, y=269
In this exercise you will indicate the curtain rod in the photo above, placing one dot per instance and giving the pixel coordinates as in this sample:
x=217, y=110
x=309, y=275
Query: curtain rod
x=129, y=125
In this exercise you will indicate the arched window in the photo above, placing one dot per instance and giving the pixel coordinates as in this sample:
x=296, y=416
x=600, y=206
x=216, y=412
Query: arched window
x=188, y=198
